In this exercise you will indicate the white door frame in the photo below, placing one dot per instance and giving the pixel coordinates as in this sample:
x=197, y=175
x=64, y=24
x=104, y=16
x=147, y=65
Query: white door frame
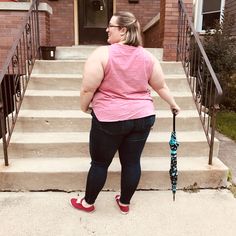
x=76, y=20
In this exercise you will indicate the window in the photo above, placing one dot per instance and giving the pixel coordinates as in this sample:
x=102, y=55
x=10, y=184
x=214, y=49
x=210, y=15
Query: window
x=207, y=13
x=210, y=13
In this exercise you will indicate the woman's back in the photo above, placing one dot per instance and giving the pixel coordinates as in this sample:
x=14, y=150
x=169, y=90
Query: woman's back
x=123, y=93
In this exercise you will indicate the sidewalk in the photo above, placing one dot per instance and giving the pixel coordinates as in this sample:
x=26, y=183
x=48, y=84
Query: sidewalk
x=208, y=212
x=227, y=153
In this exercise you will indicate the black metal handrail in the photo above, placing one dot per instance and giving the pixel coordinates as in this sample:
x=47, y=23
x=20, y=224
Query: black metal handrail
x=16, y=72
x=203, y=82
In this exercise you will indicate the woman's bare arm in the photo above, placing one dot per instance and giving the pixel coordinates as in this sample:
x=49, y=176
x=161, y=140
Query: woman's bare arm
x=92, y=76
x=157, y=82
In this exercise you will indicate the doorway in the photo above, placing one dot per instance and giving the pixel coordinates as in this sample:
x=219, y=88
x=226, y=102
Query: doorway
x=94, y=16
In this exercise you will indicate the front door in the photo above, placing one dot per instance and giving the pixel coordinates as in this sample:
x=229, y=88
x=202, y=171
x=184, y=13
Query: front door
x=94, y=16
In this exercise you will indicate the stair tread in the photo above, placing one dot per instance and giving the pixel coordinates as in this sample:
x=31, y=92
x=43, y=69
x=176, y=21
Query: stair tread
x=74, y=137
x=79, y=114
x=78, y=75
x=78, y=60
x=80, y=164
x=59, y=76
x=76, y=93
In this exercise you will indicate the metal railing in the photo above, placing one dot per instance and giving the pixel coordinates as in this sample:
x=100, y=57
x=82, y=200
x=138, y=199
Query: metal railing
x=15, y=74
x=203, y=82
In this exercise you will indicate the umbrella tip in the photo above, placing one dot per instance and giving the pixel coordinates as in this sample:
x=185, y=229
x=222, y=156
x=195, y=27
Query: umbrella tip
x=173, y=197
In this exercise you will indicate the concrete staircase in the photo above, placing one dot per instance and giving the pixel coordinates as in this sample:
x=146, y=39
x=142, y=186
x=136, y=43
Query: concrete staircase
x=49, y=146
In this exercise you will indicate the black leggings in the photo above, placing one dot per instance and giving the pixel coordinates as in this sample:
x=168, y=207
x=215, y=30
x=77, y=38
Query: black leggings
x=106, y=138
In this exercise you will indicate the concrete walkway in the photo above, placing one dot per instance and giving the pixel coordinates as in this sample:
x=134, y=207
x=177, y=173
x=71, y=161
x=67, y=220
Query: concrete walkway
x=227, y=154
x=208, y=212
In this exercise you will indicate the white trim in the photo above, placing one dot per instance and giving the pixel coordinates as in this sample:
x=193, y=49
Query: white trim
x=152, y=22
x=23, y=6
x=76, y=22
x=222, y=8
x=209, y=12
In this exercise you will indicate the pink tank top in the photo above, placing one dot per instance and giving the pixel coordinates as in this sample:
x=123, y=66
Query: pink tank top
x=123, y=93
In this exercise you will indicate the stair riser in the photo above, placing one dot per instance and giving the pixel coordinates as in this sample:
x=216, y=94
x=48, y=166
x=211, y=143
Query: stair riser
x=152, y=149
x=69, y=53
x=76, y=67
x=52, y=83
x=76, y=181
x=73, y=103
x=172, y=68
x=73, y=53
x=59, y=67
x=45, y=124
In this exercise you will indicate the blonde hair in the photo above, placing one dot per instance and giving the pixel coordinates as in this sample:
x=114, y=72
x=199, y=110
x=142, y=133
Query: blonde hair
x=133, y=34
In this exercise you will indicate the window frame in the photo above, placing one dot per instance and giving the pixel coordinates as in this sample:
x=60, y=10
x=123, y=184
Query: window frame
x=198, y=15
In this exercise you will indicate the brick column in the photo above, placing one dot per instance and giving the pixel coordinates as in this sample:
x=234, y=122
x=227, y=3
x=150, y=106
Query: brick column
x=169, y=14
x=44, y=27
x=11, y=21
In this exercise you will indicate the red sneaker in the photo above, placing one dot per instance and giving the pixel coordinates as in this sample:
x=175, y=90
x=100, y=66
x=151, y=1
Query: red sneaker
x=78, y=205
x=123, y=209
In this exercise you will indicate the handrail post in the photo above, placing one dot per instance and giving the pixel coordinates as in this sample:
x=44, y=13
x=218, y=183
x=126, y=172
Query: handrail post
x=213, y=127
x=2, y=131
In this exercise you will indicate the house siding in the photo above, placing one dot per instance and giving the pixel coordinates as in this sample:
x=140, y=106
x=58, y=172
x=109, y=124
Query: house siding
x=230, y=8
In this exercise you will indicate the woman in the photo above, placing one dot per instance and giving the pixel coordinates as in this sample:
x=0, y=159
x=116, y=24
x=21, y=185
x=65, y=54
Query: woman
x=115, y=91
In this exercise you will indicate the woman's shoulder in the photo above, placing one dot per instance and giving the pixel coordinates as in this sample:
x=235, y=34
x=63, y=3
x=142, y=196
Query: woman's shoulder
x=99, y=54
x=101, y=49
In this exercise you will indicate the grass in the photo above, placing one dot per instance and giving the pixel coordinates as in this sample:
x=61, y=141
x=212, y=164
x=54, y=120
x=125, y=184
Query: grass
x=232, y=188
x=226, y=123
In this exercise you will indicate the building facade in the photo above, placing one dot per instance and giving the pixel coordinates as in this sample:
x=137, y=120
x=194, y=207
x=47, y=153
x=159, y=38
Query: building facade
x=76, y=22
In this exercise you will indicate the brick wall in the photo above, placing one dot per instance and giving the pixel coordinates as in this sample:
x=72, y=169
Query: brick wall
x=10, y=23
x=152, y=37
x=44, y=24
x=145, y=10
x=169, y=26
x=62, y=22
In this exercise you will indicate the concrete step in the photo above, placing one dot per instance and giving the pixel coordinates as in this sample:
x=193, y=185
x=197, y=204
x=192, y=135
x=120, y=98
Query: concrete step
x=78, y=121
x=69, y=174
x=55, y=81
x=69, y=144
x=58, y=66
x=82, y=52
x=70, y=100
x=76, y=67
x=74, y=53
x=175, y=83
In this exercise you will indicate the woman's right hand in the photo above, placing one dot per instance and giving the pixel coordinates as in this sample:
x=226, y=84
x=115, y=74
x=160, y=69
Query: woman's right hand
x=175, y=109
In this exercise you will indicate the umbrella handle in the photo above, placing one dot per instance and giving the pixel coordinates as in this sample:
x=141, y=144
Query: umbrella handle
x=174, y=115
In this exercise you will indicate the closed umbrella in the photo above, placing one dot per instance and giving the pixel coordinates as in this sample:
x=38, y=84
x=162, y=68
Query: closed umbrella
x=173, y=163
